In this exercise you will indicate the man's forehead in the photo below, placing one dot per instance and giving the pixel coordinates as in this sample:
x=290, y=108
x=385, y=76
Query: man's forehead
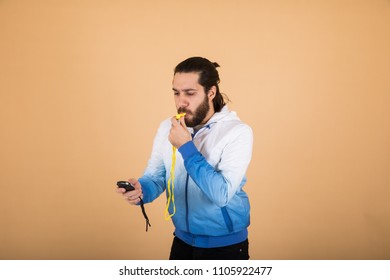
x=186, y=80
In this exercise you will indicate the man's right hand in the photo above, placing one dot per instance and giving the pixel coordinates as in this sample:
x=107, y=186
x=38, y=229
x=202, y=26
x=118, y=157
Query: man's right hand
x=132, y=197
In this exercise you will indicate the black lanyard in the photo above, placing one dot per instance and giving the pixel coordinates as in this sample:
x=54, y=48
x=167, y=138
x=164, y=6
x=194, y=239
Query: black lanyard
x=144, y=213
x=129, y=187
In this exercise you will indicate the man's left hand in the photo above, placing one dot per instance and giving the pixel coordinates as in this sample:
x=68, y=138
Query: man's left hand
x=179, y=133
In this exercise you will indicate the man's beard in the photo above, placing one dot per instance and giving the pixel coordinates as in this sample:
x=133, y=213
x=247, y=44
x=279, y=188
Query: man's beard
x=199, y=115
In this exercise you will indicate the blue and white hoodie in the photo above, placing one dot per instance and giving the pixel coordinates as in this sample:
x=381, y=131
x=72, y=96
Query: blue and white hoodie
x=212, y=209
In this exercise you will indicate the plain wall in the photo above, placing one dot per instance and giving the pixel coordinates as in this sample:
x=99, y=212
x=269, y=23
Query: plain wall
x=85, y=84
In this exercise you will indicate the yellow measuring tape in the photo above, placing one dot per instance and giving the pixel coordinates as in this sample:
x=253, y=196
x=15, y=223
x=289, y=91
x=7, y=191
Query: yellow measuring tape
x=171, y=181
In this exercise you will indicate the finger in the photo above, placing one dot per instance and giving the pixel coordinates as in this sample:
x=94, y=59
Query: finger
x=183, y=122
x=133, y=181
x=131, y=197
x=174, y=121
x=132, y=194
x=133, y=201
x=120, y=190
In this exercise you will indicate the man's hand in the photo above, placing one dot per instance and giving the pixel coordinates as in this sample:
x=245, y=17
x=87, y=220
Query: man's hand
x=179, y=133
x=132, y=197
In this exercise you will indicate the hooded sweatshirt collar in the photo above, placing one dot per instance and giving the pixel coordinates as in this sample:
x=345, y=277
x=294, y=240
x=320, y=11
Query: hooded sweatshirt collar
x=224, y=115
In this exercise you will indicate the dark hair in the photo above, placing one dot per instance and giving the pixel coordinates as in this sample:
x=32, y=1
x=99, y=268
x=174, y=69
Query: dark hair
x=208, y=77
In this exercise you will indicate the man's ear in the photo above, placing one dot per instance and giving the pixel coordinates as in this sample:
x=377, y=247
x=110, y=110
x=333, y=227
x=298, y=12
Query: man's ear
x=212, y=92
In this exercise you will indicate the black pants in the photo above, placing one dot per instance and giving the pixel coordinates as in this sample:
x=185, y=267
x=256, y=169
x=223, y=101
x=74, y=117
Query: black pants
x=183, y=251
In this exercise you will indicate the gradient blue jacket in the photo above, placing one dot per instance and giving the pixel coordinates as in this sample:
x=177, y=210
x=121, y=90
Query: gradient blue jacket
x=212, y=209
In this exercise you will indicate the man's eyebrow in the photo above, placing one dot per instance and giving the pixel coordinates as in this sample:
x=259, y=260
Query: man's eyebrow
x=187, y=89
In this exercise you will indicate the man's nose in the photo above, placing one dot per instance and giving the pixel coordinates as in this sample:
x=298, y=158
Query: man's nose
x=183, y=101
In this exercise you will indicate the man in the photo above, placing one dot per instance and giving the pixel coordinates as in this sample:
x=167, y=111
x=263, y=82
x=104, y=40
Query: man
x=210, y=210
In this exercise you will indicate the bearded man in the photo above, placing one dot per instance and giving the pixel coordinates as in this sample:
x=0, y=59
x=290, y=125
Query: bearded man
x=210, y=210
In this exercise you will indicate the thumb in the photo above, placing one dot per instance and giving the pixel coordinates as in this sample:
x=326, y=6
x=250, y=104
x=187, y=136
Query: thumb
x=134, y=182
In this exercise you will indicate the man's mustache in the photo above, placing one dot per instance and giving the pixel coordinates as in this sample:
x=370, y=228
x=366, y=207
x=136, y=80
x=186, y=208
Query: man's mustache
x=182, y=110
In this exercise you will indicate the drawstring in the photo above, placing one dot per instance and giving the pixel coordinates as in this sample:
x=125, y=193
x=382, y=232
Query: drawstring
x=171, y=181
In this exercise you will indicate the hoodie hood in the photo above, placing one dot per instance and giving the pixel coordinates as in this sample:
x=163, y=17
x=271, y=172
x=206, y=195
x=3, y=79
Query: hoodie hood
x=223, y=115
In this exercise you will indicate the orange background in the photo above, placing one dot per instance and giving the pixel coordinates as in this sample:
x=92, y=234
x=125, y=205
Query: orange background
x=84, y=85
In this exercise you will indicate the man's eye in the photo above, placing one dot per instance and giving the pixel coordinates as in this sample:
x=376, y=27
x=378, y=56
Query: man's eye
x=175, y=93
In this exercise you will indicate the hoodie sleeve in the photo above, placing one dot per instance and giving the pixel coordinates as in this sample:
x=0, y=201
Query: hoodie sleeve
x=220, y=183
x=153, y=181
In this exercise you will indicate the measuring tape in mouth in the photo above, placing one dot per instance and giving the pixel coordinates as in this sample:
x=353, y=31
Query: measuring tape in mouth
x=171, y=181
